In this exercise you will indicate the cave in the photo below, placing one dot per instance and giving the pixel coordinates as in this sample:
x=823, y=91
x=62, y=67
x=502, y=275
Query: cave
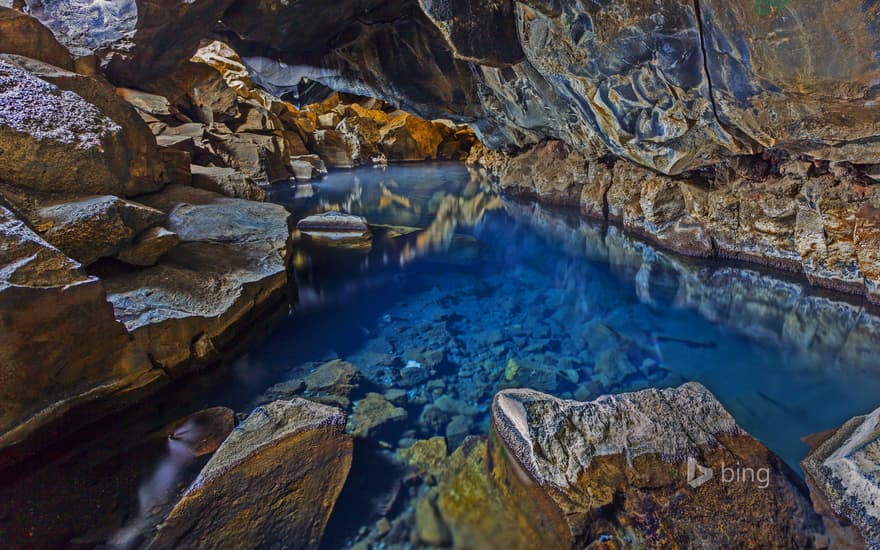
x=439, y=274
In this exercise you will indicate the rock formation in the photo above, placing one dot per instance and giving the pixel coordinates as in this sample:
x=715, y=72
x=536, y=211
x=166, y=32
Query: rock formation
x=273, y=482
x=842, y=473
x=638, y=469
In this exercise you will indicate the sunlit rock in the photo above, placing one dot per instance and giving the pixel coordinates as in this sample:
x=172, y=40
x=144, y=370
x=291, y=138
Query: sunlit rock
x=276, y=477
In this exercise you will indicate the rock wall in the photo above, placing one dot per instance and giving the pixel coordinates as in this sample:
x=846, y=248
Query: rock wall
x=795, y=213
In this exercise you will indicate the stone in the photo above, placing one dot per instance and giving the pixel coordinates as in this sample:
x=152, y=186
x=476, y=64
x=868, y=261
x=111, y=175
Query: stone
x=22, y=34
x=372, y=415
x=96, y=227
x=617, y=468
x=332, y=148
x=55, y=140
x=202, y=432
x=259, y=157
x=842, y=474
x=333, y=221
x=409, y=138
x=146, y=102
x=307, y=167
x=226, y=181
x=135, y=41
x=426, y=456
x=281, y=469
x=148, y=247
x=429, y=527
x=48, y=307
x=336, y=377
x=229, y=269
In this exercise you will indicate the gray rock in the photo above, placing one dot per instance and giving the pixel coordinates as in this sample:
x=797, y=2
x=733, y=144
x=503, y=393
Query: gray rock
x=227, y=181
x=844, y=475
x=148, y=247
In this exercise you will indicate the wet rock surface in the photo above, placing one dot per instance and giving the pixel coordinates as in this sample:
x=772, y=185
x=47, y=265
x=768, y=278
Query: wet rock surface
x=276, y=477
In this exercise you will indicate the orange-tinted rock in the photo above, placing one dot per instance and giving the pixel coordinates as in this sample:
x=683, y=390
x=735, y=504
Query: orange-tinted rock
x=274, y=481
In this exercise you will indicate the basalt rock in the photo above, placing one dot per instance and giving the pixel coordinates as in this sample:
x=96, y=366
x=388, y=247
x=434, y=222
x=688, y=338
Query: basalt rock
x=21, y=34
x=148, y=247
x=634, y=469
x=274, y=481
x=227, y=181
x=844, y=478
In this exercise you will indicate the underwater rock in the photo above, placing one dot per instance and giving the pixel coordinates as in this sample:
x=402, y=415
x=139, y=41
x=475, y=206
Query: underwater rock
x=92, y=228
x=275, y=478
x=843, y=474
x=372, y=414
x=636, y=467
x=335, y=377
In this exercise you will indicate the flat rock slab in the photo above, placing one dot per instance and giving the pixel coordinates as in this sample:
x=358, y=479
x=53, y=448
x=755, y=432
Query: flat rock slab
x=231, y=261
x=844, y=473
x=272, y=483
x=636, y=467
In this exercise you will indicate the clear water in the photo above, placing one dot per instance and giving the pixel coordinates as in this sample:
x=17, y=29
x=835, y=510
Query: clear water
x=461, y=293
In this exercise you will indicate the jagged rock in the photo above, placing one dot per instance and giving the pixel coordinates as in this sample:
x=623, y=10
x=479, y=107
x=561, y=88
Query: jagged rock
x=60, y=346
x=464, y=24
x=54, y=140
x=332, y=148
x=625, y=467
x=844, y=478
x=96, y=227
x=137, y=41
x=273, y=481
x=148, y=247
x=21, y=34
x=146, y=102
x=177, y=154
x=204, y=431
x=226, y=181
x=229, y=268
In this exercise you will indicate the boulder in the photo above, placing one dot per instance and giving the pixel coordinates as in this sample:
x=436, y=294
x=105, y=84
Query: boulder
x=148, y=247
x=95, y=227
x=199, y=91
x=229, y=269
x=335, y=377
x=21, y=34
x=273, y=482
x=307, y=167
x=333, y=221
x=227, y=181
x=332, y=148
x=257, y=156
x=60, y=345
x=637, y=468
x=71, y=133
x=374, y=414
x=843, y=473
x=136, y=41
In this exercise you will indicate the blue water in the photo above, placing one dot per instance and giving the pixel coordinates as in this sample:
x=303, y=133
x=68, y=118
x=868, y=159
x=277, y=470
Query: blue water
x=478, y=292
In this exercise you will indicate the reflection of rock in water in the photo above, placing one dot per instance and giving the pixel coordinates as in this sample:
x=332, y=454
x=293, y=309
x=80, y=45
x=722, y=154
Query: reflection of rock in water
x=767, y=308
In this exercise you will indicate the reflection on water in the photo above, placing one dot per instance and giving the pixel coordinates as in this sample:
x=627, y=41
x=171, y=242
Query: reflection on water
x=459, y=293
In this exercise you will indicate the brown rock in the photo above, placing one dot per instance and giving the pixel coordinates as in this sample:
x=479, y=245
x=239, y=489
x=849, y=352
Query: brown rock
x=259, y=157
x=408, y=138
x=336, y=377
x=148, y=247
x=636, y=466
x=226, y=181
x=332, y=148
x=95, y=227
x=60, y=345
x=21, y=34
x=372, y=414
x=274, y=481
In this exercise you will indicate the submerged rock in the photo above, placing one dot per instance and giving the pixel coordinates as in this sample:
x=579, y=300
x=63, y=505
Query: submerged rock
x=637, y=468
x=372, y=414
x=274, y=481
x=844, y=478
